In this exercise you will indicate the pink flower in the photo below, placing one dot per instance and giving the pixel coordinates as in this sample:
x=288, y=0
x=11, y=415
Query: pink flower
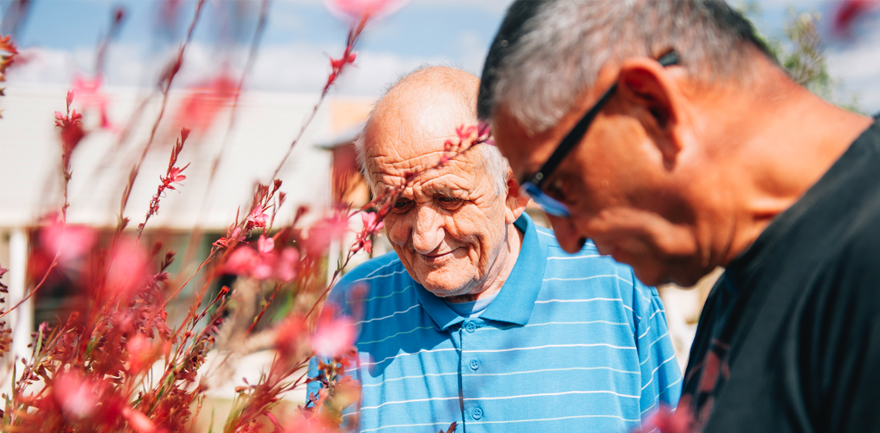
x=72, y=241
x=287, y=264
x=680, y=421
x=370, y=227
x=77, y=396
x=848, y=12
x=338, y=64
x=265, y=263
x=138, y=421
x=257, y=218
x=128, y=267
x=241, y=261
x=233, y=236
x=264, y=267
x=315, y=424
x=333, y=336
x=265, y=245
x=90, y=95
x=174, y=176
x=140, y=352
x=204, y=102
x=358, y=9
x=370, y=224
x=288, y=335
x=326, y=231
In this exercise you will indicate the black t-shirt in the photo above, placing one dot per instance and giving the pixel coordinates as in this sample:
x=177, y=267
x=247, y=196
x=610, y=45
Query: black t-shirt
x=789, y=339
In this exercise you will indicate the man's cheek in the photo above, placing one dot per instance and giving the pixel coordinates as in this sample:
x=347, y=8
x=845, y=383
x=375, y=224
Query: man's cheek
x=396, y=231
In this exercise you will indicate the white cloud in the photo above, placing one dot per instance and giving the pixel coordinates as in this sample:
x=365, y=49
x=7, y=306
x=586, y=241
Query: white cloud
x=289, y=68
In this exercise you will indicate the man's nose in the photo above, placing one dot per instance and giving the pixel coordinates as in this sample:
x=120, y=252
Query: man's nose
x=570, y=239
x=428, y=230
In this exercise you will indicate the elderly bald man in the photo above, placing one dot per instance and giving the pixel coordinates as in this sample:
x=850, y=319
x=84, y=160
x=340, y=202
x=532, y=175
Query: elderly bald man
x=478, y=316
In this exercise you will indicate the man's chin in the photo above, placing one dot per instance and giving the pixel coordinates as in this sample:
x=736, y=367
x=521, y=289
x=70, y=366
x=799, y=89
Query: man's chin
x=443, y=287
x=652, y=275
x=656, y=276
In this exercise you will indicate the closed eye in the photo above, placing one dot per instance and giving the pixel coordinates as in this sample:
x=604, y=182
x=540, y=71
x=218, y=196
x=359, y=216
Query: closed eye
x=449, y=203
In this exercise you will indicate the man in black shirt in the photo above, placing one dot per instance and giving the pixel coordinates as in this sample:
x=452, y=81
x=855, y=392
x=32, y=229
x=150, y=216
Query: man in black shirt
x=666, y=133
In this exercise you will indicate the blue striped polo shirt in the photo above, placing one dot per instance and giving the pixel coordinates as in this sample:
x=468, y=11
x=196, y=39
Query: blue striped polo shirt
x=570, y=343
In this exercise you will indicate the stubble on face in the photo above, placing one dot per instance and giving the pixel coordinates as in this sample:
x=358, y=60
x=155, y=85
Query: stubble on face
x=610, y=183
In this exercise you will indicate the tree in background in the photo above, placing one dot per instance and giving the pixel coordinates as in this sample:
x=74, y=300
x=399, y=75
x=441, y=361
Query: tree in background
x=802, y=54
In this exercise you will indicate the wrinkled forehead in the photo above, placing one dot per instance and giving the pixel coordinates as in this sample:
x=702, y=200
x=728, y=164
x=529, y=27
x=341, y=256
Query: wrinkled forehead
x=409, y=132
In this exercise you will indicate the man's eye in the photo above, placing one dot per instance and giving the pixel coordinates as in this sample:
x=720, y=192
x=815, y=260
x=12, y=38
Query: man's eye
x=554, y=189
x=449, y=202
x=401, y=205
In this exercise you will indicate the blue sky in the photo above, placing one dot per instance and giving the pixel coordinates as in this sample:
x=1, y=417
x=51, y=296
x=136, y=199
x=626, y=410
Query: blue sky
x=62, y=36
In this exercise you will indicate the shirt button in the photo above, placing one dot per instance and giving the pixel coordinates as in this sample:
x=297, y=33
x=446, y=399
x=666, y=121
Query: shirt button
x=470, y=327
x=477, y=413
x=475, y=364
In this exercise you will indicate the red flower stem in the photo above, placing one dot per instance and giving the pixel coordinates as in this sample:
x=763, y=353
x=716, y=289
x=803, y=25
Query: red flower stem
x=65, y=176
x=353, y=35
x=205, y=262
x=115, y=25
x=169, y=368
x=263, y=310
x=15, y=14
x=165, y=84
x=166, y=182
x=195, y=236
x=30, y=294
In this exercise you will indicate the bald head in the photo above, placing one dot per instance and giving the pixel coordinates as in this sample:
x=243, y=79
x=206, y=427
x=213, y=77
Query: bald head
x=426, y=105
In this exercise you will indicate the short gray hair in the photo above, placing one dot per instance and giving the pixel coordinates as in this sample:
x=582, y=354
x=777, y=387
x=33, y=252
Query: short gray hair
x=496, y=165
x=547, y=53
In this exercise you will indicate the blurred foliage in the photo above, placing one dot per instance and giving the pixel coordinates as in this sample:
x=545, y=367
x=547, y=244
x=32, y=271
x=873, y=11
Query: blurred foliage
x=801, y=52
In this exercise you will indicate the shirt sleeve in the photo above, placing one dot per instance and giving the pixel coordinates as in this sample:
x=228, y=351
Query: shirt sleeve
x=660, y=374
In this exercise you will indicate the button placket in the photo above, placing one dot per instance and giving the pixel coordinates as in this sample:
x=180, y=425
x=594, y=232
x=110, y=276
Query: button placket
x=471, y=344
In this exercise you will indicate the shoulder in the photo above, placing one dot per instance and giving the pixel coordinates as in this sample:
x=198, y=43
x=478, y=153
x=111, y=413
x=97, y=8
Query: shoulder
x=377, y=267
x=595, y=274
x=855, y=268
x=586, y=264
x=386, y=269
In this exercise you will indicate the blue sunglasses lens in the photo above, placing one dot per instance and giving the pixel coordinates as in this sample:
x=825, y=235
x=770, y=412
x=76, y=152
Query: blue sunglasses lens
x=549, y=204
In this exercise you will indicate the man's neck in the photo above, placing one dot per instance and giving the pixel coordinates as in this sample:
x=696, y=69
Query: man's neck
x=786, y=142
x=500, y=271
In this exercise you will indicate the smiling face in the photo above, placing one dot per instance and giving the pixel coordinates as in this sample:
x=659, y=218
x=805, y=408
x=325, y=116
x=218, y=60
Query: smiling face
x=451, y=229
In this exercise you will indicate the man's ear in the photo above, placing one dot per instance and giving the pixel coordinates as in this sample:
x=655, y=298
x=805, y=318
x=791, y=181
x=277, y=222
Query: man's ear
x=516, y=199
x=658, y=101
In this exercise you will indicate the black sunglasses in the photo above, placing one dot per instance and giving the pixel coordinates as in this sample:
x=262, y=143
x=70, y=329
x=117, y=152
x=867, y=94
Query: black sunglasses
x=533, y=186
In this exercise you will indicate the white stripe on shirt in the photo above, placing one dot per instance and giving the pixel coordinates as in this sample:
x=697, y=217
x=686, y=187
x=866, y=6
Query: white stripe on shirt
x=513, y=349
x=551, y=394
x=389, y=316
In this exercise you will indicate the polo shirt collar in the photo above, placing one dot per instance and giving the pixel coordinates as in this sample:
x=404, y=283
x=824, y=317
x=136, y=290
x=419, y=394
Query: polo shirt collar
x=516, y=299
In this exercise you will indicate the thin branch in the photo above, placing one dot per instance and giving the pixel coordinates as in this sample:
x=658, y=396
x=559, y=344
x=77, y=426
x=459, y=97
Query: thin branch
x=165, y=83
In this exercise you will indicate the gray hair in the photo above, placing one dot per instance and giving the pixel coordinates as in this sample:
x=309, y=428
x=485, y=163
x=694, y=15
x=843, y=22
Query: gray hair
x=547, y=53
x=495, y=164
